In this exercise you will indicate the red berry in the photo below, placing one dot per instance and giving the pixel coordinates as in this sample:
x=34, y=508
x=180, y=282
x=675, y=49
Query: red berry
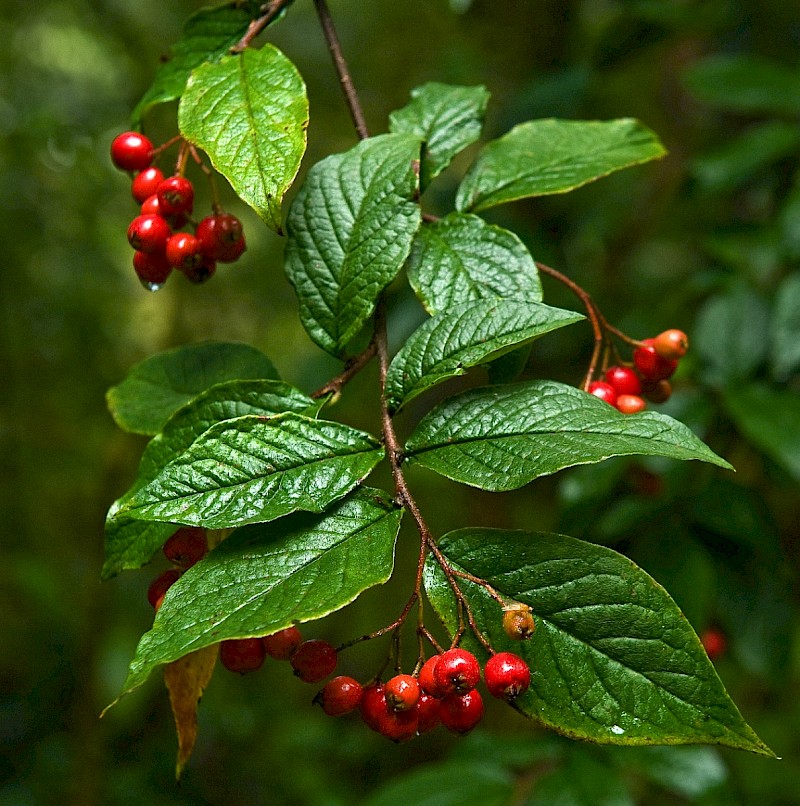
x=313, y=660
x=650, y=365
x=605, y=391
x=183, y=252
x=658, y=392
x=282, y=644
x=624, y=380
x=506, y=675
x=630, y=404
x=460, y=713
x=131, y=151
x=373, y=705
x=221, y=237
x=427, y=679
x=427, y=713
x=399, y=726
x=175, y=196
x=160, y=585
x=145, y=183
x=151, y=269
x=201, y=272
x=457, y=671
x=714, y=642
x=148, y=233
x=518, y=623
x=401, y=692
x=150, y=205
x=242, y=654
x=671, y=344
x=187, y=546
x=340, y=696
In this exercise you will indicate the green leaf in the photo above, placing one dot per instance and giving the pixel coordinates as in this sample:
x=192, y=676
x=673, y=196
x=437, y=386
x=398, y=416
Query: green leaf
x=265, y=578
x=747, y=84
x=132, y=543
x=158, y=386
x=502, y=437
x=447, y=118
x=582, y=781
x=553, y=156
x=613, y=659
x=731, y=335
x=785, y=329
x=688, y=771
x=461, y=258
x=770, y=419
x=249, y=113
x=206, y=37
x=350, y=230
x=254, y=469
x=464, y=336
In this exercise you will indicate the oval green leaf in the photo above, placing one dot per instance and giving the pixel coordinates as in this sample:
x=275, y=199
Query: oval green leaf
x=158, y=386
x=461, y=258
x=249, y=113
x=613, y=659
x=502, y=437
x=464, y=336
x=255, y=469
x=350, y=230
x=265, y=578
x=541, y=157
x=446, y=118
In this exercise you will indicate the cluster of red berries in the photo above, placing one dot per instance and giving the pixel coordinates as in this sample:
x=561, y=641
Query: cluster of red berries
x=183, y=549
x=166, y=204
x=654, y=362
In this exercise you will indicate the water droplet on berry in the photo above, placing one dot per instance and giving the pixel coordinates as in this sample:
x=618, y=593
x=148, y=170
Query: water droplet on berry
x=150, y=286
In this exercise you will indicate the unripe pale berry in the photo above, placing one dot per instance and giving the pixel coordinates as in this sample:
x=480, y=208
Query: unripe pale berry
x=518, y=623
x=671, y=344
x=457, y=671
x=506, y=675
x=131, y=151
x=313, y=660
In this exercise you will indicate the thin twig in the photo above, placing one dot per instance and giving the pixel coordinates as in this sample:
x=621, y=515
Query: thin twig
x=351, y=369
x=271, y=11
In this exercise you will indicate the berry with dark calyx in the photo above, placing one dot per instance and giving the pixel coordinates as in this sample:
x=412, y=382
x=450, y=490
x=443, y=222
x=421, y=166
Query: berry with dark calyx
x=457, y=671
x=242, y=654
x=401, y=692
x=131, y=151
x=658, y=392
x=221, y=237
x=624, y=380
x=399, y=726
x=714, y=642
x=175, y=196
x=605, y=391
x=650, y=365
x=151, y=268
x=148, y=233
x=282, y=644
x=187, y=546
x=160, y=585
x=427, y=678
x=340, y=696
x=145, y=183
x=183, y=252
x=460, y=713
x=506, y=675
x=201, y=272
x=373, y=705
x=518, y=623
x=671, y=344
x=630, y=404
x=427, y=713
x=313, y=660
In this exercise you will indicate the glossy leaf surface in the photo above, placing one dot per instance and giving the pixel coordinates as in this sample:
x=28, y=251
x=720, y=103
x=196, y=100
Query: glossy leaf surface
x=553, y=156
x=502, y=437
x=613, y=659
x=350, y=230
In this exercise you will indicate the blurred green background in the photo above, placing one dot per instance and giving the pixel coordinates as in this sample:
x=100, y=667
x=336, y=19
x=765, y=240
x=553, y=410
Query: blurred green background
x=707, y=240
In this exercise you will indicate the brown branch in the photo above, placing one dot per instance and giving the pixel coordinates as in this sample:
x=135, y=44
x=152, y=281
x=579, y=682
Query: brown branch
x=271, y=11
x=351, y=97
x=351, y=368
